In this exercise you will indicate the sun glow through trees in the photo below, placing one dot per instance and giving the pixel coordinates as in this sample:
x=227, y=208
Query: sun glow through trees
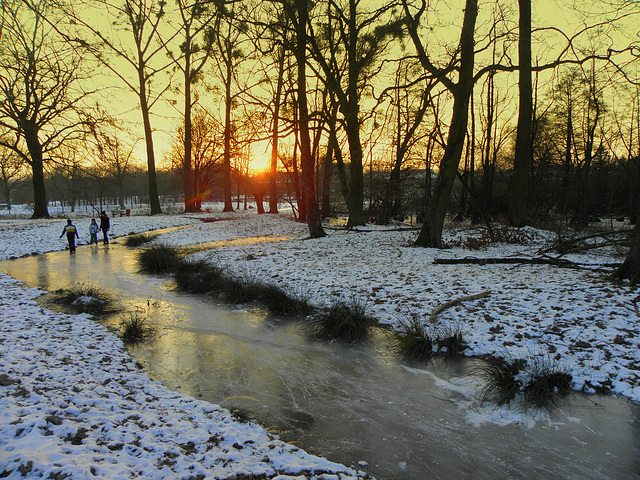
x=260, y=156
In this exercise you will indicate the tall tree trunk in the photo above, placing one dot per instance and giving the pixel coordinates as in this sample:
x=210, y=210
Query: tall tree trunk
x=190, y=204
x=391, y=201
x=327, y=164
x=488, y=163
x=154, y=200
x=306, y=160
x=522, y=161
x=121, y=192
x=472, y=163
x=37, y=168
x=355, y=196
x=327, y=167
x=351, y=112
x=228, y=202
x=392, y=192
x=391, y=197
x=431, y=232
x=273, y=174
x=630, y=269
x=566, y=170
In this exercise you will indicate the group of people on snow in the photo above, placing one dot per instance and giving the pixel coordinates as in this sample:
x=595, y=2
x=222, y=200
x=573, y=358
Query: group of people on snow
x=72, y=232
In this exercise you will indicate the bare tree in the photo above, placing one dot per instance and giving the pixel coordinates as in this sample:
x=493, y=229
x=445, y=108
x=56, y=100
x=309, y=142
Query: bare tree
x=114, y=156
x=133, y=53
x=431, y=232
x=195, y=27
x=275, y=133
x=347, y=49
x=207, y=153
x=67, y=172
x=272, y=38
x=40, y=109
x=410, y=104
x=297, y=12
x=228, y=35
x=522, y=157
x=12, y=174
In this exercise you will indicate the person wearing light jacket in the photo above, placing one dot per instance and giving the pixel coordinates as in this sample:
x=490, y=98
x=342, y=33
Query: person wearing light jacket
x=72, y=233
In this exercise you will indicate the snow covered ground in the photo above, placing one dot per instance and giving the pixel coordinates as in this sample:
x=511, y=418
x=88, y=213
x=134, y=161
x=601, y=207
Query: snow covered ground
x=73, y=404
x=66, y=410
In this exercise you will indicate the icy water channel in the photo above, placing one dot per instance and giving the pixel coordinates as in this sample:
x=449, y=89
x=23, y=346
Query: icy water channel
x=358, y=405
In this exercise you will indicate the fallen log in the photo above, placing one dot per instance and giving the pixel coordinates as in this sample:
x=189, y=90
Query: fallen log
x=433, y=317
x=558, y=262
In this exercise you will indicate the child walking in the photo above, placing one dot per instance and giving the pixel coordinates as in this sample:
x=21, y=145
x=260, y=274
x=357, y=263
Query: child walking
x=93, y=232
x=72, y=234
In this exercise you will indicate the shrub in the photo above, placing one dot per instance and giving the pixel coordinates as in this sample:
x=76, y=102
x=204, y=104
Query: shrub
x=134, y=327
x=499, y=234
x=512, y=235
x=159, y=258
x=344, y=321
x=545, y=384
x=198, y=276
x=84, y=298
x=414, y=340
x=139, y=239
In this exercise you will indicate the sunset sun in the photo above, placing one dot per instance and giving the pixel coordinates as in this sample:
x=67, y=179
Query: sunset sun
x=260, y=156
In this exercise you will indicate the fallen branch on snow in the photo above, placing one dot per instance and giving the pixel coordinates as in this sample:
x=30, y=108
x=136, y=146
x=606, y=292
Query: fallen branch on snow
x=433, y=318
x=581, y=244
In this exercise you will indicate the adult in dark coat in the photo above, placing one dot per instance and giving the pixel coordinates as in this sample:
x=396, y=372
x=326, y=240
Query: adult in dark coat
x=104, y=225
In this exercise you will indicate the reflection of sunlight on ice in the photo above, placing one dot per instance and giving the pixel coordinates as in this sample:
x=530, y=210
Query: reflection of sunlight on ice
x=504, y=415
x=466, y=386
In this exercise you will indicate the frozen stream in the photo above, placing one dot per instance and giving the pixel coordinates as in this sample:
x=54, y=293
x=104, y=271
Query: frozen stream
x=357, y=405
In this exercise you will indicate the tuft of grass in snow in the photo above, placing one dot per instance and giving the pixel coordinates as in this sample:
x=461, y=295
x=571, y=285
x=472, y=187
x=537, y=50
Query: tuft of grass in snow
x=349, y=322
x=84, y=298
x=450, y=340
x=418, y=340
x=199, y=276
x=239, y=289
x=134, y=327
x=280, y=302
x=139, y=239
x=414, y=339
x=159, y=258
x=546, y=383
x=502, y=382
x=537, y=383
